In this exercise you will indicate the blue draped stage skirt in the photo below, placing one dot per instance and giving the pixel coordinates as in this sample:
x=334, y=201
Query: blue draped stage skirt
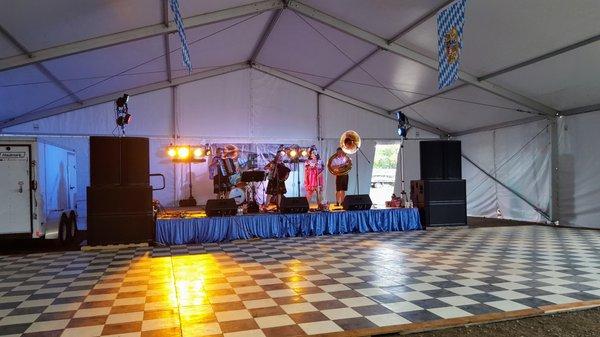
x=217, y=229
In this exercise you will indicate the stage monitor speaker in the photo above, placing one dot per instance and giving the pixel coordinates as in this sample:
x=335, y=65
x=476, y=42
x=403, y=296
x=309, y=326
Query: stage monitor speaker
x=357, y=202
x=294, y=205
x=221, y=207
x=440, y=159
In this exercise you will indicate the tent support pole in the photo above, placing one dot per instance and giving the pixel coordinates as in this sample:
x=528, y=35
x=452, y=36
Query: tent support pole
x=554, y=172
x=491, y=176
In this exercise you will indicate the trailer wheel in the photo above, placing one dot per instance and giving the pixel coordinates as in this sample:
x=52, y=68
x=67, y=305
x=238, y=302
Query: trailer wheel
x=63, y=230
x=72, y=226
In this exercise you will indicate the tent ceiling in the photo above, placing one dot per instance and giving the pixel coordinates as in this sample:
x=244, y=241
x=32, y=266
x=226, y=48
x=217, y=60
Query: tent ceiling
x=81, y=71
x=562, y=81
x=450, y=111
x=7, y=48
x=294, y=45
x=218, y=44
x=498, y=33
x=42, y=24
x=391, y=15
x=18, y=99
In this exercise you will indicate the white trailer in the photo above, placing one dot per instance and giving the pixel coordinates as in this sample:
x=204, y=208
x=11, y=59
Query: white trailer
x=38, y=184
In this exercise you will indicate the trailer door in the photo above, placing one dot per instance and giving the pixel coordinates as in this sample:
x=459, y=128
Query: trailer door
x=15, y=193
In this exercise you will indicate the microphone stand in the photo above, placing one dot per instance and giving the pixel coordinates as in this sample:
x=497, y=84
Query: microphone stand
x=368, y=161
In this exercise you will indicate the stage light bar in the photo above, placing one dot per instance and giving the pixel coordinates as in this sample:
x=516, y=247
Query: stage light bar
x=198, y=152
x=188, y=153
x=183, y=152
x=171, y=152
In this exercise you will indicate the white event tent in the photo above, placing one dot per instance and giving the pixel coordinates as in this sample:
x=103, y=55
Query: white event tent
x=526, y=106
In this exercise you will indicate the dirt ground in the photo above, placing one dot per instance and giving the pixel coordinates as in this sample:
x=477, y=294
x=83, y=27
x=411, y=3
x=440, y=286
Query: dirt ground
x=585, y=323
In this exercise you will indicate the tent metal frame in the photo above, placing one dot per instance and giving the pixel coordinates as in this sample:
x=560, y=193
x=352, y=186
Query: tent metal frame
x=277, y=6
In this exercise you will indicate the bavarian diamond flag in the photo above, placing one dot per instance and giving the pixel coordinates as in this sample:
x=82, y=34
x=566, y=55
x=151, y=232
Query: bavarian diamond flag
x=185, y=49
x=450, y=22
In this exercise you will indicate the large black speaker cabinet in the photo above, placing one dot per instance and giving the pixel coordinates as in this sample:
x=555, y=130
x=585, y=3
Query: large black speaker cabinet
x=443, y=214
x=119, y=199
x=120, y=228
x=425, y=191
x=440, y=202
x=221, y=207
x=294, y=205
x=440, y=159
x=119, y=161
x=105, y=161
x=135, y=159
x=357, y=202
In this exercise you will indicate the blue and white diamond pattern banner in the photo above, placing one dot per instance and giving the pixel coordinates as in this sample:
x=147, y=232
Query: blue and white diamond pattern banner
x=185, y=50
x=450, y=22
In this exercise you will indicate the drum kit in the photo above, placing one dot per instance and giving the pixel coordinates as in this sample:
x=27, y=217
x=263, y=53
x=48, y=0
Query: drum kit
x=244, y=184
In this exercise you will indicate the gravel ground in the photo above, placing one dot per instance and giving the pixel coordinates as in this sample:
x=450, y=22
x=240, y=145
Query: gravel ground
x=585, y=323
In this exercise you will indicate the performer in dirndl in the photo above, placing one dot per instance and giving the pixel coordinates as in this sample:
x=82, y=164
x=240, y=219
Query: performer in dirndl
x=313, y=176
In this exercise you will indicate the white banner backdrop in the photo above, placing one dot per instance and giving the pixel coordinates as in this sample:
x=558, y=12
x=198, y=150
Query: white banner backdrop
x=519, y=157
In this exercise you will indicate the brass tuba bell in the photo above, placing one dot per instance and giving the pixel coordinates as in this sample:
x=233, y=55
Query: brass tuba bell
x=350, y=143
x=231, y=151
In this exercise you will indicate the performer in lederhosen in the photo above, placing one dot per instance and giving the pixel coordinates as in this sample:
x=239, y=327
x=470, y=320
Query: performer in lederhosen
x=313, y=176
x=278, y=174
x=341, y=164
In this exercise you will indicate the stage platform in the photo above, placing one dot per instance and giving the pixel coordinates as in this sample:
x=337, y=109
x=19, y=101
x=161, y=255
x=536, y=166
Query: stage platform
x=177, y=231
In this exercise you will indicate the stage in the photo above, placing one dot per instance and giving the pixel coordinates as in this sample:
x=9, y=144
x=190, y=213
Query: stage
x=177, y=231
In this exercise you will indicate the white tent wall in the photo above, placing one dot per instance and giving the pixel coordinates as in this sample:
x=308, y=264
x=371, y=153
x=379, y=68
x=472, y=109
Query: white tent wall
x=517, y=156
x=243, y=107
x=579, y=169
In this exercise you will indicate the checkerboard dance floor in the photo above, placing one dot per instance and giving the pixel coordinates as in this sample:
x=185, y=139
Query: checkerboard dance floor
x=297, y=286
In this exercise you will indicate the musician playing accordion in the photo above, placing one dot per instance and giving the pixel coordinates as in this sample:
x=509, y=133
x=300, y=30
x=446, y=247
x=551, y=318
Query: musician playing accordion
x=220, y=169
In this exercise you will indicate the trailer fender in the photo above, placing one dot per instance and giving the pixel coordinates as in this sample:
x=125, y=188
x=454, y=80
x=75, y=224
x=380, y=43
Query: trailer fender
x=51, y=225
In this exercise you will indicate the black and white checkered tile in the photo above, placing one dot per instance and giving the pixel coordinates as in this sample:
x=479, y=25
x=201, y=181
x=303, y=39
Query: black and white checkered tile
x=297, y=286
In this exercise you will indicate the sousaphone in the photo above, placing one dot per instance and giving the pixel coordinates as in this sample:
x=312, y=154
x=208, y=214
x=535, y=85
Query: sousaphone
x=231, y=151
x=350, y=143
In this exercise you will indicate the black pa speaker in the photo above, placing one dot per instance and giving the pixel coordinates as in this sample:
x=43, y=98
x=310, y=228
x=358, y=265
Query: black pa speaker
x=105, y=161
x=119, y=161
x=440, y=159
x=135, y=161
x=357, y=202
x=294, y=205
x=119, y=199
x=120, y=228
x=443, y=214
x=221, y=207
x=427, y=191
